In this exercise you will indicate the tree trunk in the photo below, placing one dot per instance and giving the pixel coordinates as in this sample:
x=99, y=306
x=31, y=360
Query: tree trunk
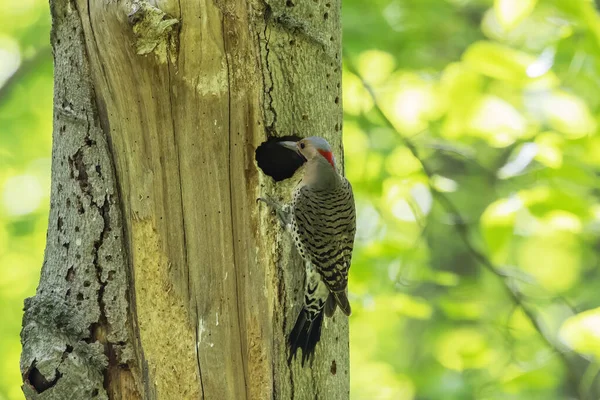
x=162, y=277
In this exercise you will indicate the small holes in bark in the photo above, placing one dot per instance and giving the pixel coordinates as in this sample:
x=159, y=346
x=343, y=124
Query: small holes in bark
x=333, y=368
x=79, y=296
x=326, y=16
x=94, y=332
x=70, y=275
x=39, y=382
x=95, y=393
x=289, y=3
x=337, y=100
x=68, y=350
x=86, y=284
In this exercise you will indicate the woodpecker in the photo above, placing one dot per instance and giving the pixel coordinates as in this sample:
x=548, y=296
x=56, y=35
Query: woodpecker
x=322, y=221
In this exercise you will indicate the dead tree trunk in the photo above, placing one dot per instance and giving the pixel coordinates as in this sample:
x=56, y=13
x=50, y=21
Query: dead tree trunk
x=162, y=276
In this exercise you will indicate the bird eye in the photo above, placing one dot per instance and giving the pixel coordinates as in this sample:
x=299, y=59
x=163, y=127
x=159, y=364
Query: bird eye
x=302, y=145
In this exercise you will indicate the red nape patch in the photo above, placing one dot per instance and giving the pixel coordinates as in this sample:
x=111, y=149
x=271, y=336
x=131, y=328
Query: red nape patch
x=328, y=156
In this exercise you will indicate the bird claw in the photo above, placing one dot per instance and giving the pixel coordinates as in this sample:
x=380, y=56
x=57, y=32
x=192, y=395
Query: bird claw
x=282, y=212
x=267, y=200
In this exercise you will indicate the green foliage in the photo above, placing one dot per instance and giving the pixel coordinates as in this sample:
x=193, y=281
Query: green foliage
x=25, y=142
x=500, y=100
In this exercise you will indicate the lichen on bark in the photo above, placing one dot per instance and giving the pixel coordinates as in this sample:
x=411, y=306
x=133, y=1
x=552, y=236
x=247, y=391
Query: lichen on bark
x=154, y=30
x=79, y=321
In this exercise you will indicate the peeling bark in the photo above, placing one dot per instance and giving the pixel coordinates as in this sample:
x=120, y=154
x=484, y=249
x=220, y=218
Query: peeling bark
x=77, y=330
x=162, y=276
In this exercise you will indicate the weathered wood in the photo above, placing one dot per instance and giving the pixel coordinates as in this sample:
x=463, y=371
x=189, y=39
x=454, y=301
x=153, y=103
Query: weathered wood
x=188, y=287
x=78, y=339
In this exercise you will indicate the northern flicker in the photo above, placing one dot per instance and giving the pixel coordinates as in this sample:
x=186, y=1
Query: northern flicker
x=321, y=219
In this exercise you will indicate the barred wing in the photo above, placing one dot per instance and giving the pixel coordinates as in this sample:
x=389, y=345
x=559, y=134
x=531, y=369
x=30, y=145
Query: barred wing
x=325, y=225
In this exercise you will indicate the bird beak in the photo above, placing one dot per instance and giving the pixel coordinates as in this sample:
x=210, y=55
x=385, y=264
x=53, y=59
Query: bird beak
x=292, y=146
x=289, y=145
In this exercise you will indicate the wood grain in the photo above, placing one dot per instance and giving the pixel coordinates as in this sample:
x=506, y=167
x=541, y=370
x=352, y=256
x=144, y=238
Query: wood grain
x=181, y=94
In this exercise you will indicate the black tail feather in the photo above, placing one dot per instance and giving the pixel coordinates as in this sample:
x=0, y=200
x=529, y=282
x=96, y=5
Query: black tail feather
x=305, y=335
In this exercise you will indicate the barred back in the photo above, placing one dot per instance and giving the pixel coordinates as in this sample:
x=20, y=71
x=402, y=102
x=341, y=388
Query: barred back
x=324, y=224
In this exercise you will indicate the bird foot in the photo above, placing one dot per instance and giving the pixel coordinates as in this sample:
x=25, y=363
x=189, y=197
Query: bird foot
x=283, y=212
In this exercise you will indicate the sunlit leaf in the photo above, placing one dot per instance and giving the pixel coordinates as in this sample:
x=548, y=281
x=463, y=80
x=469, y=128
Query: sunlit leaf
x=460, y=87
x=512, y=12
x=549, y=149
x=553, y=258
x=445, y=278
x=413, y=102
x=356, y=99
x=517, y=165
x=379, y=381
x=497, y=121
x=498, y=61
x=522, y=379
x=10, y=56
x=520, y=325
x=463, y=348
x=407, y=200
x=21, y=195
x=497, y=224
x=582, y=332
x=568, y=114
x=591, y=152
x=542, y=200
x=401, y=162
x=462, y=310
x=410, y=306
x=443, y=184
x=375, y=65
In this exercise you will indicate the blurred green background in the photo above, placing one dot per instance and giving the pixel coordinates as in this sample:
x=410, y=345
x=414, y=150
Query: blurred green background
x=471, y=139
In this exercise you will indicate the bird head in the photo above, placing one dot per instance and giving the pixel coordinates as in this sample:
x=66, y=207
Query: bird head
x=311, y=147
